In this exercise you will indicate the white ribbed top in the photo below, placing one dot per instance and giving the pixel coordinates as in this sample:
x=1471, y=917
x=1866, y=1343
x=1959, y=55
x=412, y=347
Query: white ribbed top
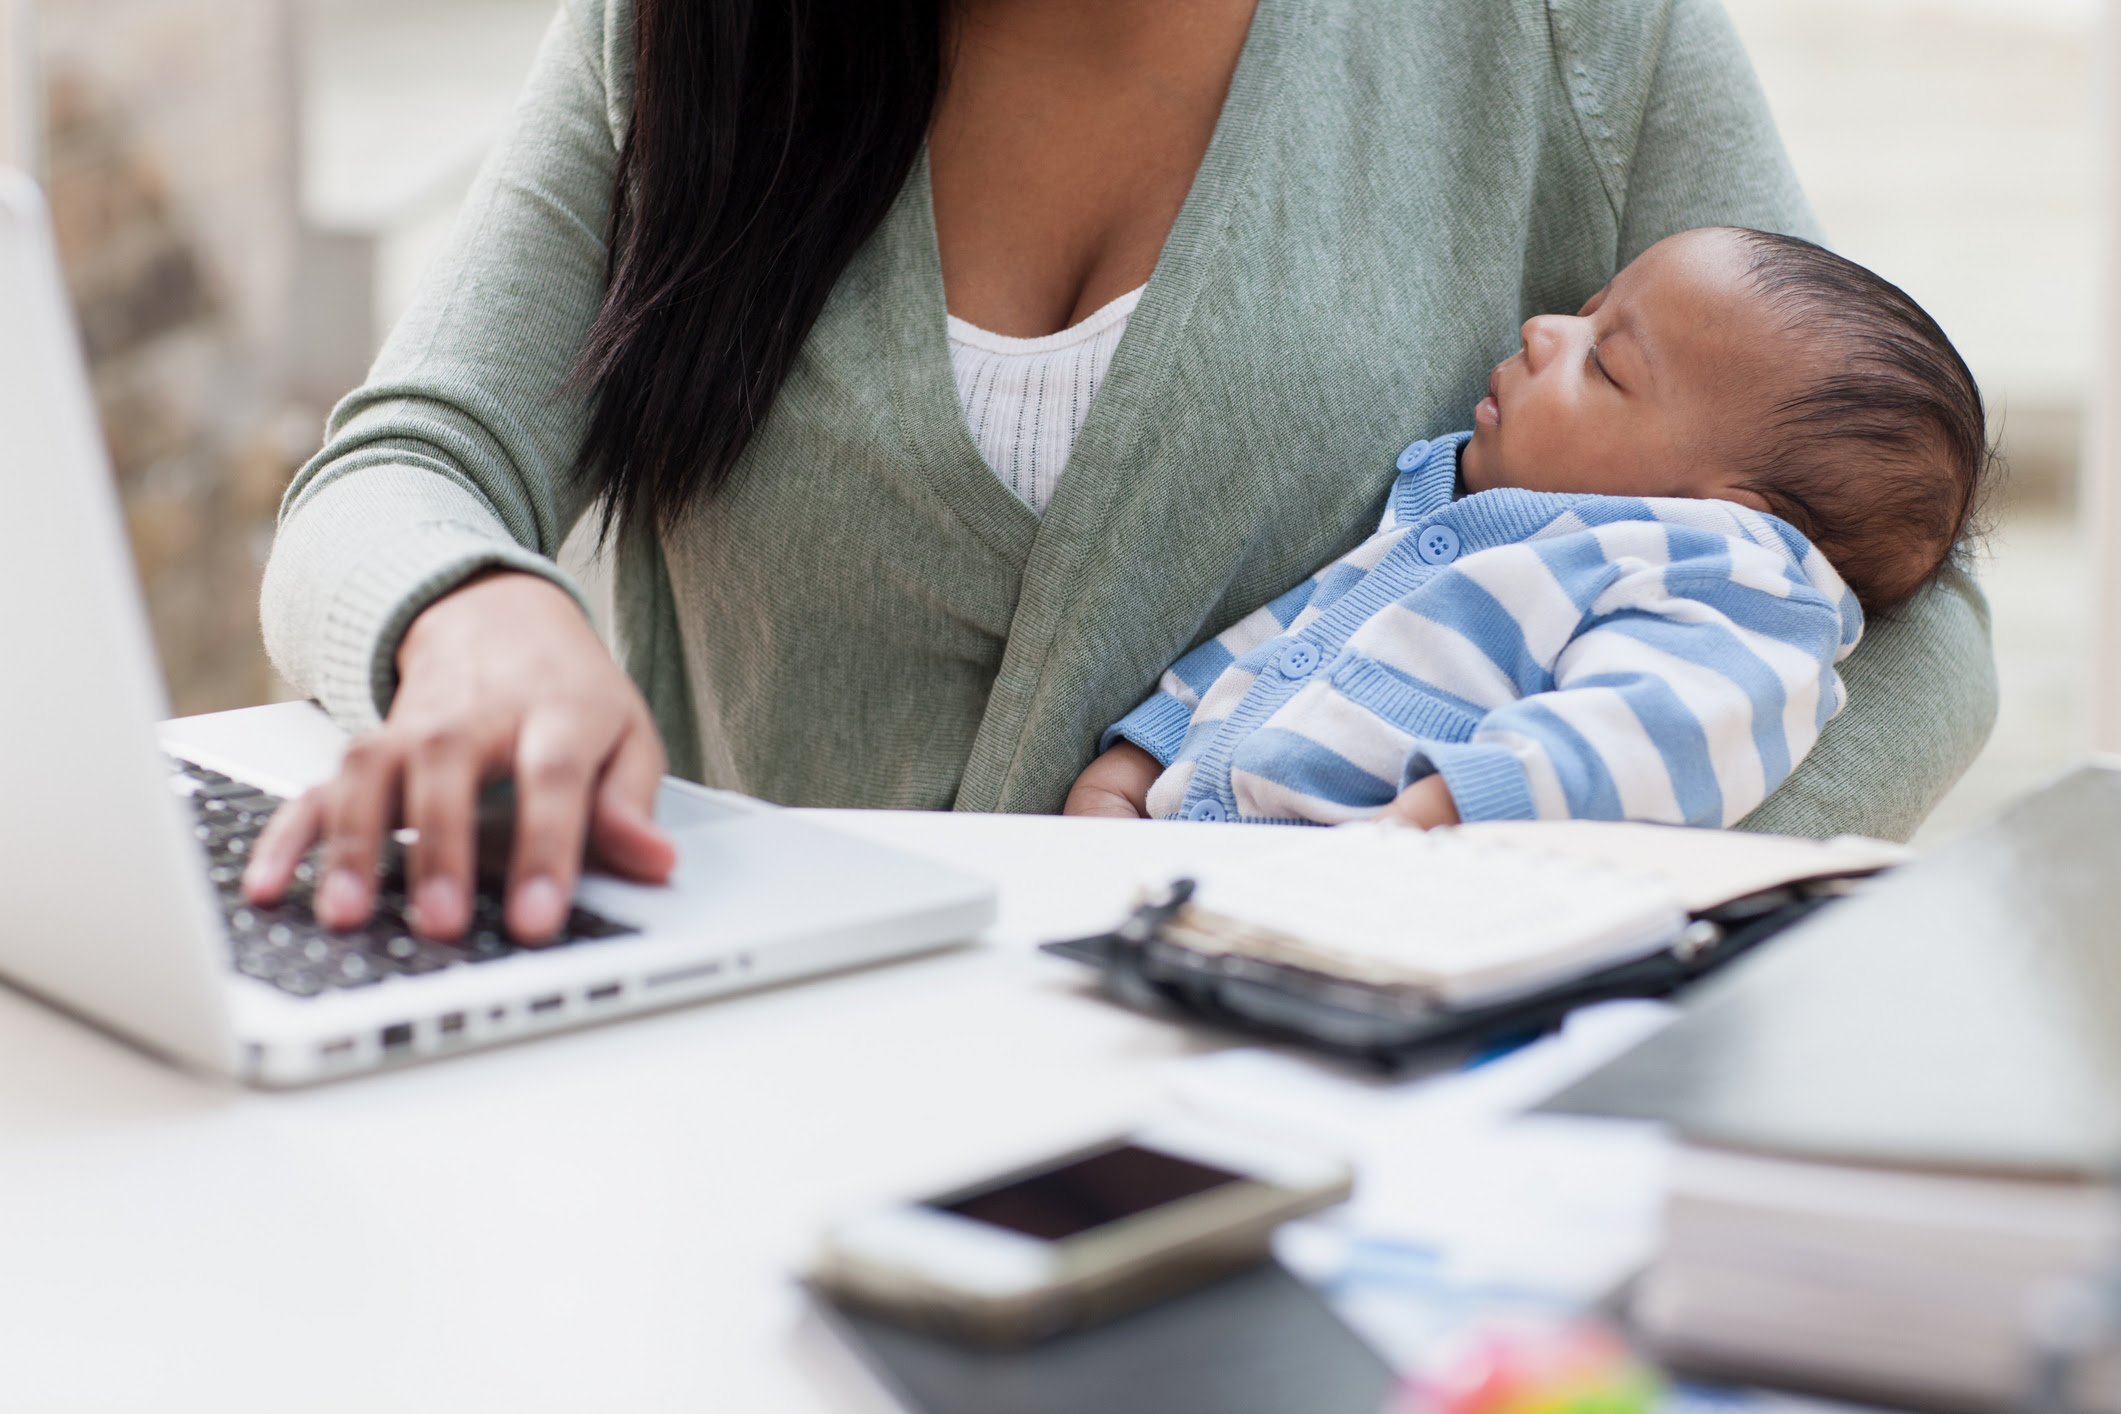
x=1025, y=399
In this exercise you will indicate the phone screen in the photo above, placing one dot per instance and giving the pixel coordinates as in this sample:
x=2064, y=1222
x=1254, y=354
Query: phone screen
x=1100, y=1188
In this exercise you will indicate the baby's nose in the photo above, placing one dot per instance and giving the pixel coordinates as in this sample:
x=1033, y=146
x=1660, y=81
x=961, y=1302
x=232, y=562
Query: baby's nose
x=1542, y=334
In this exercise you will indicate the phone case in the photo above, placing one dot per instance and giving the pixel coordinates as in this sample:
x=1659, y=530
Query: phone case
x=1260, y=1342
x=1107, y=1272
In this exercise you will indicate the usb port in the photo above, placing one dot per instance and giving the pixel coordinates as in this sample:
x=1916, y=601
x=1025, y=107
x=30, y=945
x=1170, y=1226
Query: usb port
x=685, y=974
x=452, y=1023
x=551, y=1003
x=398, y=1036
x=609, y=992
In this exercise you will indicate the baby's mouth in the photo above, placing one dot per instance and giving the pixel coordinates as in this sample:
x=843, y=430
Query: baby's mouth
x=1488, y=411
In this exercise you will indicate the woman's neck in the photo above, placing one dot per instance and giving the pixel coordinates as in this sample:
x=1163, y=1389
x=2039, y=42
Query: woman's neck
x=1064, y=144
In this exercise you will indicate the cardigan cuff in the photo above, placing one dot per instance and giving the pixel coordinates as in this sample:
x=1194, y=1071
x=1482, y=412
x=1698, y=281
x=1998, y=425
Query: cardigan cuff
x=1487, y=781
x=1158, y=727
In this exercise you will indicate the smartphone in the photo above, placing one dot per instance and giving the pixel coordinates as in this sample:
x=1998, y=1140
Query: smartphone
x=1076, y=1238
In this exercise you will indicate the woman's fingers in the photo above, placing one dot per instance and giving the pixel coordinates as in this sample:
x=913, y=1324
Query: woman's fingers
x=623, y=834
x=444, y=767
x=555, y=767
x=356, y=811
x=281, y=845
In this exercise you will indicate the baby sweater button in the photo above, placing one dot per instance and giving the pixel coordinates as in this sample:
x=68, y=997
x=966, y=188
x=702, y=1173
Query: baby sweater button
x=1412, y=458
x=1208, y=812
x=1298, y=660
x=1438, y=545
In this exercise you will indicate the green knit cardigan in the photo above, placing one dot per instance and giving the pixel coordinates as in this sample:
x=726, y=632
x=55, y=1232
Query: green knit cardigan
x=866, y=616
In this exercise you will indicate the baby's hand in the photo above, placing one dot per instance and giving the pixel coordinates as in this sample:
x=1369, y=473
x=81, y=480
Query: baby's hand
x=1116, y=784
x=1425, y=805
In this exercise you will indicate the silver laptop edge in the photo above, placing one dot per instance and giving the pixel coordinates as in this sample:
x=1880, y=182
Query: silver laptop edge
x=108, y=911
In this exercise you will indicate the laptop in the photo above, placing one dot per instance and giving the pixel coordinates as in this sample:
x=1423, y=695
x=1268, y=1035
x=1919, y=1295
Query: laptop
x=122, y=845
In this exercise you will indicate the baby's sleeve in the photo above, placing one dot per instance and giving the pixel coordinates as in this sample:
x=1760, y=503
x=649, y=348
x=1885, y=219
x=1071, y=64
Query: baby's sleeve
x=1159, y=725
x=1690, y=690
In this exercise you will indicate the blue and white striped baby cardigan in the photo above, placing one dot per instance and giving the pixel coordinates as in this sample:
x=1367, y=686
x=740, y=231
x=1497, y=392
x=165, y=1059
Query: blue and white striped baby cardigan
x=1554, y=656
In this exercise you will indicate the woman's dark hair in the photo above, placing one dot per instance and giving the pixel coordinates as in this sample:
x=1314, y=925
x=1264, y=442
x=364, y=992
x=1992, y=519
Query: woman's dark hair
x=1883, y=461
x=768, y=139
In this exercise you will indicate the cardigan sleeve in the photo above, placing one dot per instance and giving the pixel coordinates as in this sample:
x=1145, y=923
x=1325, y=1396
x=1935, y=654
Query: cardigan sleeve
x=456, y=455
x=1683, y=700
x=1161, y=724
x=1922, y=684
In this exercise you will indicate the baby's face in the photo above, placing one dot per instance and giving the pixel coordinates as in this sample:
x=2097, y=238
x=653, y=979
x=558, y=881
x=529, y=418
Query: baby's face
x=1654, y=389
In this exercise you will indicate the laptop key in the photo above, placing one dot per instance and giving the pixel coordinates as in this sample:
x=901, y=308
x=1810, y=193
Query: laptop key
x=581, y=923
x=355, y=970
x=299, y=980
x=485, y=944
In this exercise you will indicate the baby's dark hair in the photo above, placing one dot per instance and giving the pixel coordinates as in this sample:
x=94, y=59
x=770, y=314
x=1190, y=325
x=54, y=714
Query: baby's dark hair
x=1883, y=461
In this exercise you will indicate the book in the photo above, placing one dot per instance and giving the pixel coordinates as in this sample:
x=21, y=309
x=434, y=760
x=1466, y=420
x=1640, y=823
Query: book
x=1901, y=1124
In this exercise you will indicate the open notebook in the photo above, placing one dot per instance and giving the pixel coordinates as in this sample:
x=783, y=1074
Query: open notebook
x=1378, y=939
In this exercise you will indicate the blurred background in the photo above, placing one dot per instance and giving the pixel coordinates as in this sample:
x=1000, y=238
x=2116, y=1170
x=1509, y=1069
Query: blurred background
x=246, y=192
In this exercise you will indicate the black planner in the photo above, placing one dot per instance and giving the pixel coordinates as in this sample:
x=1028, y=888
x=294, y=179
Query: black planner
x=1142, y=968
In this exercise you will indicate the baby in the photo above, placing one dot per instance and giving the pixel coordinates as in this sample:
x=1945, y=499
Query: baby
x=1622, y=595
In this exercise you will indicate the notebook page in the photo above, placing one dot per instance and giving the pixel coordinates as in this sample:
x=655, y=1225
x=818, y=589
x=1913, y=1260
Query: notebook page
x=1706, y=868
x=1464, y=921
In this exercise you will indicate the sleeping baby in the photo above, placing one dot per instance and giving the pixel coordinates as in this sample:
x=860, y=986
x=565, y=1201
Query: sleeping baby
x=1623, y=594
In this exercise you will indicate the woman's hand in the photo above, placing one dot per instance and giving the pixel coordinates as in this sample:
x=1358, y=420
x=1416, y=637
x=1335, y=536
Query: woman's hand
x=1425, y=805
x=1116, y=784
x=503, y=677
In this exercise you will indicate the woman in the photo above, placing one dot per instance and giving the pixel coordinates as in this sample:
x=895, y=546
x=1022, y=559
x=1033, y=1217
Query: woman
x=1336, y=213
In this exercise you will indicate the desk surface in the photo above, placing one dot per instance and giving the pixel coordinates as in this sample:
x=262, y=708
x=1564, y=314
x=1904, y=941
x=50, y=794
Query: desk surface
x=601, y=1219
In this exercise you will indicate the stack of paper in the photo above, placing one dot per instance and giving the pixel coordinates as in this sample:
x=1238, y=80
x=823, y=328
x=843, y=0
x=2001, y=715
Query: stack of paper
x=1902, y=1284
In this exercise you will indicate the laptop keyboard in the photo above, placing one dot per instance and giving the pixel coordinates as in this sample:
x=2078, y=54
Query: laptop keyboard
x=286, y=946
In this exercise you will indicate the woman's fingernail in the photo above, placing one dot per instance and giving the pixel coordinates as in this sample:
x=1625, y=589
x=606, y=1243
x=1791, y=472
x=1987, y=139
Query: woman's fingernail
x=539, y=905
x=437, y=903
x=341, y=896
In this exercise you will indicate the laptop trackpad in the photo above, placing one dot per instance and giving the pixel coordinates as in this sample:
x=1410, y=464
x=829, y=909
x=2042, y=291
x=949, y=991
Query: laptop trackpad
x=679, y=805
x=761, y=872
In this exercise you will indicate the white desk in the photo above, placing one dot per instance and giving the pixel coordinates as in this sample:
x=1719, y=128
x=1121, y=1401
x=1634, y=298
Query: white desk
x=609, y=1219
x=603, y=1219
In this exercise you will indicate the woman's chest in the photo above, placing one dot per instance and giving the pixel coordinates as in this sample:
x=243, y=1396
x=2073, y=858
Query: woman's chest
x=1064, y=146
